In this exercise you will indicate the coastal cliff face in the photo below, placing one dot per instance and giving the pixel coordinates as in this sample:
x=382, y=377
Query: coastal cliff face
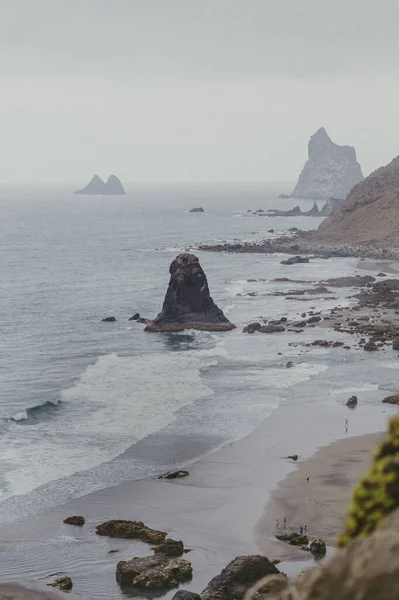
x=188, y=303
x=112, y=187
x=370, y=214
x=330, y=172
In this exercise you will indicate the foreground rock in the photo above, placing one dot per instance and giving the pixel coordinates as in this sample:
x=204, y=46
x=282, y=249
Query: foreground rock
x=370, y=214
x=112, y=187
x=62, y=583
x=79, y=521
x=131, y=530
x=331, y=171
x=157, y=572
x=188, y=303
x=318, y=548
x=238, y=577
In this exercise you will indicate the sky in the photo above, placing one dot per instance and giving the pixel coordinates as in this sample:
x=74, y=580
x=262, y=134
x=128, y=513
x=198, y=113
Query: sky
x=193, y=91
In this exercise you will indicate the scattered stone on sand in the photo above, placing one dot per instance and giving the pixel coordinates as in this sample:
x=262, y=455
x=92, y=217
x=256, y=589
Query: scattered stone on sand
x=188, y=303
x=170, y=548
x=392, y=399
x=156, y=572
x=294, y=457
x=295, y=260
x=62, y=583
x=294, y=539
x=135, y=317
x=238, y=577
x=79, y=521
x=174, y=475
x=318, y=547
x=131, y=530
x=352, y=402
x=252, y=327
x=109, y=320
x=371, y=347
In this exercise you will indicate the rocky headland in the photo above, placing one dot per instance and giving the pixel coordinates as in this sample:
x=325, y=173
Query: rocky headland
x=188, y=303
x=112, y=187
x=331, y=170
x=370, y=214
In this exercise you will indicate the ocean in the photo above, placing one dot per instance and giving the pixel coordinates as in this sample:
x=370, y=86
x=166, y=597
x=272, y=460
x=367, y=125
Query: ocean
x=85, y=404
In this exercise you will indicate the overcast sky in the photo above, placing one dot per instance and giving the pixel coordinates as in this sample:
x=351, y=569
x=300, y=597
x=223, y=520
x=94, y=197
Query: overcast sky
x=193, y=90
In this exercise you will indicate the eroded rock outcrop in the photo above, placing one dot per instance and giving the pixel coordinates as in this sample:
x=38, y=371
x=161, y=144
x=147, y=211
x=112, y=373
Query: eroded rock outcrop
x=188, y=303
x=331, y=170
x=157, y=572
x=112, y=187
x=131, y=530
x=370, y=213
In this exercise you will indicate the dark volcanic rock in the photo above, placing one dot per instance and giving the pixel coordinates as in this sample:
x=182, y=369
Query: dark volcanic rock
x=252, y=327
x=352, y=402
x=392, y=400
x=79, y=521
x=294, y=457
x=318, y=547
x=295, y=260
x=135, y=317
x=197, y=209
x=188, y=304
x=174, y=475
x=272, y=329
x=170, y=548
x=157, y=572
x=62, y=583
x=294, y=539
x=109, y=320
x=371, y=347
x=238, y=577
x=131, y=530
x=185, y=595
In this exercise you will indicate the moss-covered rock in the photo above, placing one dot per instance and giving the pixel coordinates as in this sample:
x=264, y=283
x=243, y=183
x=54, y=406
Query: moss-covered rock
x=377, y=493
x=63, y=583
x=392, y=399
x=294, y=539
x=170, y=548
x=318, y=547
x=131, y=530
x=79, y=521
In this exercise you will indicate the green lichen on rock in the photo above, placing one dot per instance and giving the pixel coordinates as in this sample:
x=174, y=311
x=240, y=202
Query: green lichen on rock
x=377, y=493
x=62, y=583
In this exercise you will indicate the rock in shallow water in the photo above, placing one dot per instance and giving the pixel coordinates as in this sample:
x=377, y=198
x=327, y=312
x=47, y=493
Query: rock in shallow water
x=157, y=572
x=170, y=548
x=62, y=583
x=188, y=304
x=131, y=530
x=79, y=521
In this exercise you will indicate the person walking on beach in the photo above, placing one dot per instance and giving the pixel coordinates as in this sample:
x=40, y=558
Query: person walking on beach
x=301, y=530
x=285, y=522
x=307, y=478
x=305, y=529
x=277, y=523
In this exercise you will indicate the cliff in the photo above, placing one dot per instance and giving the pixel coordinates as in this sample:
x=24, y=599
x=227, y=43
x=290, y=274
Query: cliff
x=370, y=214
x=113, y=187
x=330, y=172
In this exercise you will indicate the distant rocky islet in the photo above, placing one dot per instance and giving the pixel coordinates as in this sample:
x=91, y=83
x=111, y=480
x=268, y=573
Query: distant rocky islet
x=112, y=187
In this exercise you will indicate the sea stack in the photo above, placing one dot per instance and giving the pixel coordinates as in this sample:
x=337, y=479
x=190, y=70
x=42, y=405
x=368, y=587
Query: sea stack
x=188, y=304
x=113, y=187
x=370, y=214
x=330, y=172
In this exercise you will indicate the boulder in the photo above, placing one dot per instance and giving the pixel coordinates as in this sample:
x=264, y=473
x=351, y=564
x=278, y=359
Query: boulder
x=294, y=457
x=135, y=317
x=62, y=583
x=294, y=539
x=79, y=521
x=174, y=475
x=131, y=530
x=185, y=595
x=318, y=547
x=238, y=577
x=109, y=320
x=188, y=303
x=352, y=402
x=295, y=260
x=157, y=572
x=392, y=399
x=290, y=364
x=370, y=347
x=197, y=209
x=272, y=329
x=170, y=548
x=330, y=172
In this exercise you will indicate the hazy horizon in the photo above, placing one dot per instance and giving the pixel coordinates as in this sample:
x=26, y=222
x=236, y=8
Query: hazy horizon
x=217, y=92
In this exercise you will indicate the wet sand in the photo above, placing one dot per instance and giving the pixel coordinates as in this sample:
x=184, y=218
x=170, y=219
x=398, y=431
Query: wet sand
x=320, y=503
